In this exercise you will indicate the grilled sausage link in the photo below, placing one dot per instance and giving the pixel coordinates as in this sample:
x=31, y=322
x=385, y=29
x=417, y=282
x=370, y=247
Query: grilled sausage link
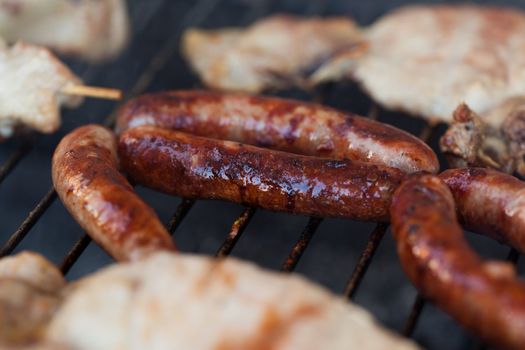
x=285, y=125
x=489, y=202
x=196, y=167
x=87, y=180
x=485, y=297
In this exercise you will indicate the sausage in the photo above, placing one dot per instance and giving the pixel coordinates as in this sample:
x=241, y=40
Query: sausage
x=196, y=167
x=489, y=202
x=87, y=180
x=485, y=297
x=285, y=125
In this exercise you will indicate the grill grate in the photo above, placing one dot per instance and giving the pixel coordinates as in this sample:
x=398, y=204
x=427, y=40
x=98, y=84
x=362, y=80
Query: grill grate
x=195, y=16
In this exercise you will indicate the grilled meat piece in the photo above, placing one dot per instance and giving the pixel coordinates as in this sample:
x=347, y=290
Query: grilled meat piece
x=272, y=53
x=425, y=60
x=494, y=139
x=92, y=29
x=32, y=78
x=30, y=288
x=191, y=302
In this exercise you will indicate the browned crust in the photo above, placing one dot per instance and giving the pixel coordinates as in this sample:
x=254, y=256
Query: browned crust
x=87, y=180
x=197, y=167
x=286, y=125
x=485, y=297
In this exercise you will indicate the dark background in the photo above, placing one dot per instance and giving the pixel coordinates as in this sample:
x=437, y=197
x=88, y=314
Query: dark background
x=335, y=248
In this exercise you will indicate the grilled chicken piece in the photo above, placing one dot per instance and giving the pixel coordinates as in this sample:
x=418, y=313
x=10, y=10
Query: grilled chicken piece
x=30, y=289
x=190, y=302
x=272, y=53
x=32, y=78
x=494, y=139
x=92, y=29
x=425, y=60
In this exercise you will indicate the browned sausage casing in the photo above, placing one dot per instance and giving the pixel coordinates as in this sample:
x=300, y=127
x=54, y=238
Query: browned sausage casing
x=485, y=297
x=87, y=180
x=197, y=167
x=286, y=125
x=489, y=202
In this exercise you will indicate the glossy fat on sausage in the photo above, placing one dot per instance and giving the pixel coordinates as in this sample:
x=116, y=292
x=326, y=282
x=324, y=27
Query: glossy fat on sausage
x=285, y=125
x=489, y=202
x=87, y=180
x=196, y=167
x=485, y=297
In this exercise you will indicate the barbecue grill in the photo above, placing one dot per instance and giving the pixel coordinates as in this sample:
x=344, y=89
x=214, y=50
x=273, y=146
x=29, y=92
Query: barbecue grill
x=336, y=253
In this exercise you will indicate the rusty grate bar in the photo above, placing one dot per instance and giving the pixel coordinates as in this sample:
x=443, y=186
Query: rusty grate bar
x=373, y=111
x=75, y=252
x=302, y=243
x=21, y=151
x=426, y=132
x=373, y=241
x=513, y=256
x=182, y=210
x=28, y=223
x=413, y=317
x=238, y=227
x=378, y=233
x=365, y=259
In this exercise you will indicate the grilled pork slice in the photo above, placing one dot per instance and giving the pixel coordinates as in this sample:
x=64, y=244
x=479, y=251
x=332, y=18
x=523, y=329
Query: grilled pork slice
x=425, y=60
x=274, y=52
x=190, y=302
x=32, y=78
x=30, y=289
x=93, y=29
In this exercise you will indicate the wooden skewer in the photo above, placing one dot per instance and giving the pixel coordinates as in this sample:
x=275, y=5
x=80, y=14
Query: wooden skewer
x=92, y=91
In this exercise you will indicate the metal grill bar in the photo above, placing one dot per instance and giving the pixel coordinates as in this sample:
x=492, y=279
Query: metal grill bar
x=75, y=252
x=413, y=317
x=364, y=260
x=377, y=235
x=513, y=256
x=182, y=210
x=238, y=227
x=302, y=243
x=21, y=151
x=28, y=223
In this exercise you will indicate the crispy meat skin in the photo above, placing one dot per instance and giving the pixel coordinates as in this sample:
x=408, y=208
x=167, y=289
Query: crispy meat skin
x=485, y=297
x=427, y=59
x=95, y=30
x=181, y=301
x=277, y=51
x=196, y=167
x=87, y=180
x=286, y=125
x=489, y=202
